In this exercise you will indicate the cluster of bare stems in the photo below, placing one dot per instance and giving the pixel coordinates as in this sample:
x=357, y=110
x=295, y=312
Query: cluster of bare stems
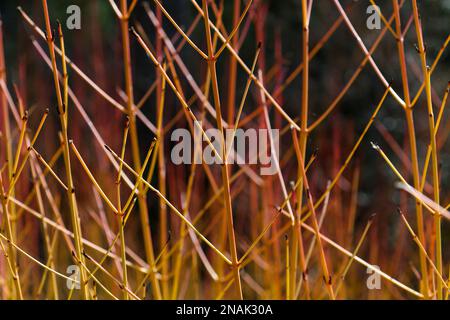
x=149, y=229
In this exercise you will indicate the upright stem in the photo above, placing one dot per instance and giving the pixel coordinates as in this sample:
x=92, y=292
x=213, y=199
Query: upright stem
x=10, y=254
x=143, y=211
x=163, y=228
x=434, y=159
x=225, y=177
x=412, y=142
x=6, y=127
x=62, y=109
x=4, y=103
x=121, y=215
x=298, y=240
x=162, y=184
x=233, y=67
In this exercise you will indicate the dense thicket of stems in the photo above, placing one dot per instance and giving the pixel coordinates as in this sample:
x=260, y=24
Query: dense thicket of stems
x=89, y=185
